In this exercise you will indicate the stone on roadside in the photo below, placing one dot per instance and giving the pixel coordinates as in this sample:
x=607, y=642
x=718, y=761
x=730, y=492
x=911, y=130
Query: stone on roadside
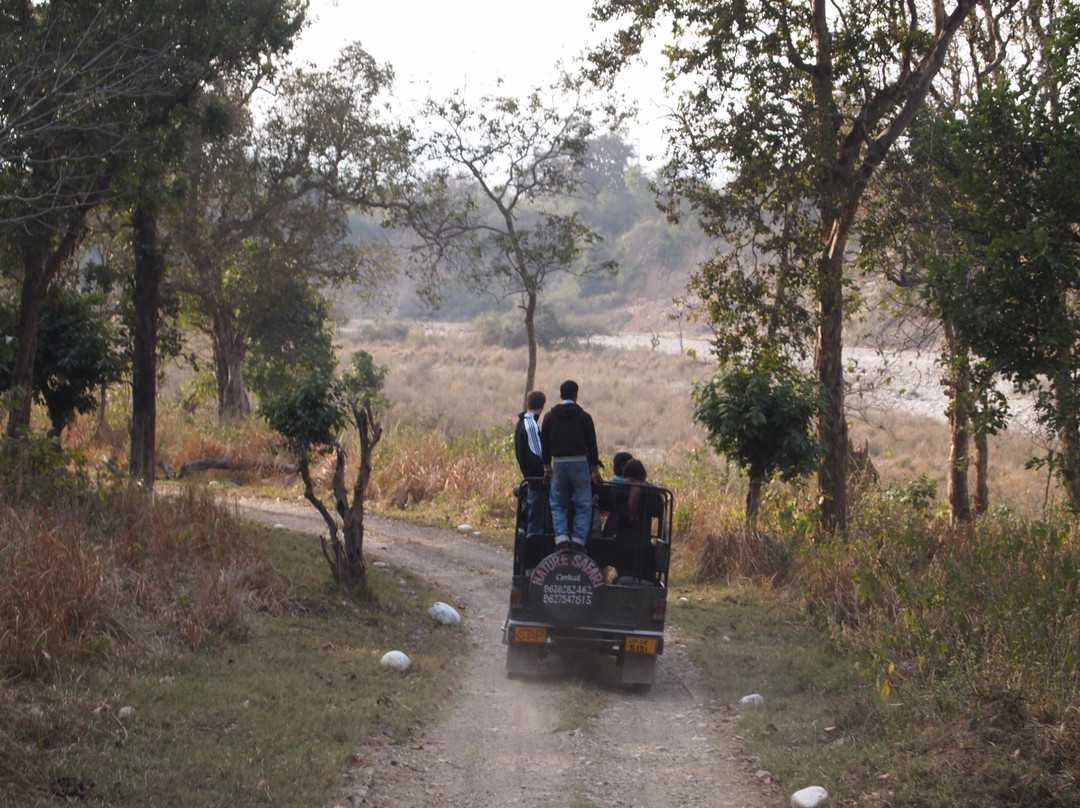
x=398, y=660
x=811, y=797
x=444, y=613
x=753, y=700
x=465, y=528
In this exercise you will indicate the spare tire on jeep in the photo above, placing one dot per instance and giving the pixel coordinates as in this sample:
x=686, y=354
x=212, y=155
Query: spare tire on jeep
x=566, y=585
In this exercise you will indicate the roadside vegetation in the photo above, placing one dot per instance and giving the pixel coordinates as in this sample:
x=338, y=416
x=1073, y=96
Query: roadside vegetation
x=160, y=650
x=903, y=663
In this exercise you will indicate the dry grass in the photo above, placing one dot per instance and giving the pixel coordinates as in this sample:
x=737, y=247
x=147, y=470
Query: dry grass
x=111, y=597
x=115, y=569
x=639, y=399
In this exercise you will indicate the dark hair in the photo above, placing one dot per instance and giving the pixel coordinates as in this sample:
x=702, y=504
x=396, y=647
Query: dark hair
x=535, y=400
x=634, y=468
x=618, y=462
x=568, y=390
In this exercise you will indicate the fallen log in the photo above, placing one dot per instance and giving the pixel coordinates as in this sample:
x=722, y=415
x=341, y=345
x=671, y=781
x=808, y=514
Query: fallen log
x=204, y=463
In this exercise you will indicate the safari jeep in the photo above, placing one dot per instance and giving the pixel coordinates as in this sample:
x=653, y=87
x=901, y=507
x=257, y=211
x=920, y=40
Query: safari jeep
x=610, y=599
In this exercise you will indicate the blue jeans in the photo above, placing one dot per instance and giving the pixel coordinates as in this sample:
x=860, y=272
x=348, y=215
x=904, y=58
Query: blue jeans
x=571, y=487
x=537, y=498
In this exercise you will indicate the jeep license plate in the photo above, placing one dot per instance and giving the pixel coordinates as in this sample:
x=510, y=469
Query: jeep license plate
x=530, y=634
x=641, y=645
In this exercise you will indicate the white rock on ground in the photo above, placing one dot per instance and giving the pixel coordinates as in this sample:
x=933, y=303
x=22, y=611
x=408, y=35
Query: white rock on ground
x=126, y=714
x=465, y=528
x=398, y=660
x=811, y=797
x=754, y=700
x=444, y=613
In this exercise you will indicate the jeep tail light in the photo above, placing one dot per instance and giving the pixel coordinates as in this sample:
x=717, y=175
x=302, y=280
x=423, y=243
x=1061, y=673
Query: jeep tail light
x=517, y=597
x=659, y=607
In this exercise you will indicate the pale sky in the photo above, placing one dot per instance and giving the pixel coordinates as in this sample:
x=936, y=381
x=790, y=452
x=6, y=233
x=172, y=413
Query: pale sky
x=439, y=46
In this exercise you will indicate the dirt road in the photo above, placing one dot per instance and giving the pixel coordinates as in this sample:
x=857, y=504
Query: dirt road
x=670, y=746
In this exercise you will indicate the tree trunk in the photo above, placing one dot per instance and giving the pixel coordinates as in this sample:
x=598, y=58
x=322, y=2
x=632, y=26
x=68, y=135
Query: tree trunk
x=829, y=367
x=368, y=431
x=1068, y=405
x=959, y=459
x=753, y=502
x=230, y=350
x=39, y=270
x=353, y=536
x=149, y=269
x=1069, y=441
x=35, y=284
x=530, y=335
x=982, y=468
x=959, y=391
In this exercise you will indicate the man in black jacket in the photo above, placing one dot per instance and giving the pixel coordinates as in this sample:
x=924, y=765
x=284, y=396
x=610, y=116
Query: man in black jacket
x=530, y=460
x=571, y=462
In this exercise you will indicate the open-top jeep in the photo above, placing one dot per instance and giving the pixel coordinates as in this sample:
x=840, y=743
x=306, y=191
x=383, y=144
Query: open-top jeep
x=609, y=599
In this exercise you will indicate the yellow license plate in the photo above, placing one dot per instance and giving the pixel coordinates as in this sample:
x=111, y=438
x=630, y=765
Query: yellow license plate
x=529, y=634
x=641, y=645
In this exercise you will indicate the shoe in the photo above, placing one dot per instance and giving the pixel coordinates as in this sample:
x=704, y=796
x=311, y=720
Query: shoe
x=561, y=542
x=578, y=543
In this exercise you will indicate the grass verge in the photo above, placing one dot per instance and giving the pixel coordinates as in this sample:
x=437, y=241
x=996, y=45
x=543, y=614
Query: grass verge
x=276, y=719
x=818, y=720
x=824, y=722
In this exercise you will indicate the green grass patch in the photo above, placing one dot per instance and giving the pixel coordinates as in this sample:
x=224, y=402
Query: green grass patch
x=819, y=723
x=824, y=721
x=277, y=719
x=579, y=704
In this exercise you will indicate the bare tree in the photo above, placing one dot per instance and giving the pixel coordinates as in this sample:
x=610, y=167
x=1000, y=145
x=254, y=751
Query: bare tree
x=494, y=207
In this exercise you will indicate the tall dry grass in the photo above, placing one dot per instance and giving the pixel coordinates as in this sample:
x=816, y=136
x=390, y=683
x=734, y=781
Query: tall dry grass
x=639, y=399
x=93, y=568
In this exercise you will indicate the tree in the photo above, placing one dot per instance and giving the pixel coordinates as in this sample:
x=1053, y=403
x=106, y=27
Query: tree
x=310, y=415
x=105, y=80
x=268, y=206
x=795, y=106
x=1013, y=293
x=909, y=233
x=293, y=340
x=607, y=158
x=987, y=164
x=761, y=417
x=77, y=354
x=492, y=208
